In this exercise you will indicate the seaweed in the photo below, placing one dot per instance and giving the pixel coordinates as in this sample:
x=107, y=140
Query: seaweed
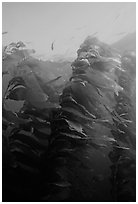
x=69, y=147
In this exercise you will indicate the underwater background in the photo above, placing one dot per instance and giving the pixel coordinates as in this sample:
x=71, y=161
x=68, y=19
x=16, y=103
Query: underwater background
x=69, y=102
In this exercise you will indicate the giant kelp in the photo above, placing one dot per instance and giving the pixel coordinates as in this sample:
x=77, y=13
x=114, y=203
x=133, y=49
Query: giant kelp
x=82, y=148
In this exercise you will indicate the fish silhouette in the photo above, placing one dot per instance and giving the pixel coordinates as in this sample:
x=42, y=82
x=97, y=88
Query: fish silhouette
x=52, y=46
x=3, y=33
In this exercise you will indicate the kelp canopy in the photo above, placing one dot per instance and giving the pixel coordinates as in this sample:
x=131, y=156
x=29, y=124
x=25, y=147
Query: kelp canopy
x=74, y=142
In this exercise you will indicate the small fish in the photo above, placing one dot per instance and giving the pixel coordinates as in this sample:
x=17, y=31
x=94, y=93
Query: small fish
x=3, y=33
x=53, y=80
x=116, y=17
x=52, y=46
x=5, y=72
